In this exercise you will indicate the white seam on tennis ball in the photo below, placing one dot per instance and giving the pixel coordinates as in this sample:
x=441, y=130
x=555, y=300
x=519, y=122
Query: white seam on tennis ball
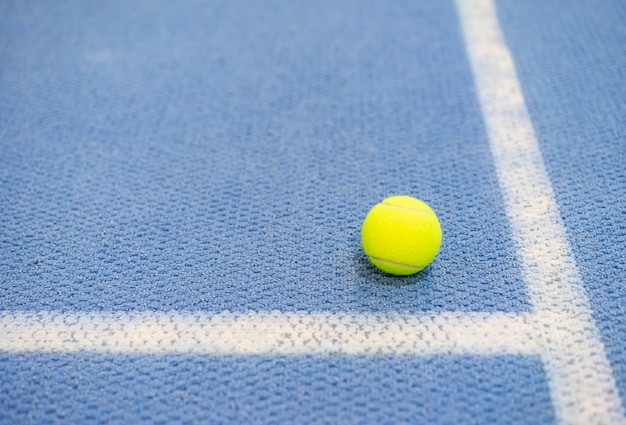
x=396, y=263
x=406, y=209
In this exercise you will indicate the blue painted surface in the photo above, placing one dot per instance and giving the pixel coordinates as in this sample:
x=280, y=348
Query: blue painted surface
x=224, y=157
x=210, y=156
x=188, y=389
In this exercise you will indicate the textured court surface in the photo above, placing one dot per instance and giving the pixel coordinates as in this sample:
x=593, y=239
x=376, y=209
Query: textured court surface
x=182, y=186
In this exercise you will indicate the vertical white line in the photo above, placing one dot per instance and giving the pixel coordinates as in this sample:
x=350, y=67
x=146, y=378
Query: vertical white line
x=581, y=381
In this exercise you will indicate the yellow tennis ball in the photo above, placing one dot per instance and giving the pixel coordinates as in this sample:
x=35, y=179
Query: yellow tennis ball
x=401, y=235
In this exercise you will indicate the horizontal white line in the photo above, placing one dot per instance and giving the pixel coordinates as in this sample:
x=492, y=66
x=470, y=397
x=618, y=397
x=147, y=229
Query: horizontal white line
x=270, y=333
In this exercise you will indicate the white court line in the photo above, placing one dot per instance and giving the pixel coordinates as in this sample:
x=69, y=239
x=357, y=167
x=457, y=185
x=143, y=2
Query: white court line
x=581, y=381
x=560, y=329
x=270, y=333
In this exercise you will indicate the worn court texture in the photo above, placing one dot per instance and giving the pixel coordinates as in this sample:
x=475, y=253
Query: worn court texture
x=182, y=186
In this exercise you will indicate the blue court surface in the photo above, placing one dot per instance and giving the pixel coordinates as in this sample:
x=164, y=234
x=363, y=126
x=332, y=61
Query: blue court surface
x=182, y=188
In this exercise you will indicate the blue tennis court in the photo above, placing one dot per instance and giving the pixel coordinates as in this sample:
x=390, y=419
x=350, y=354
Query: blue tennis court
x=183, y=184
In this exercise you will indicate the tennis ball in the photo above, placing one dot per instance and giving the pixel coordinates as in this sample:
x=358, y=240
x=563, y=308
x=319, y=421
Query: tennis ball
x=401, y=235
